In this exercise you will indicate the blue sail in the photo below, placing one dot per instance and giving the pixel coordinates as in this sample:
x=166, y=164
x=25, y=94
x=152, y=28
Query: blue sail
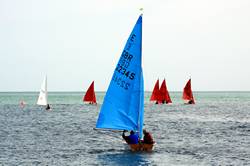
x=123, y=105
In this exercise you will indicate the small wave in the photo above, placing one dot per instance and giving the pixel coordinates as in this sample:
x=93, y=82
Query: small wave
x=98, y=151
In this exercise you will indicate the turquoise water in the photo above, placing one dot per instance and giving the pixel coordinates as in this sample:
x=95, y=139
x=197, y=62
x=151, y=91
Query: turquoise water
x=76, y=97
x=215, y=131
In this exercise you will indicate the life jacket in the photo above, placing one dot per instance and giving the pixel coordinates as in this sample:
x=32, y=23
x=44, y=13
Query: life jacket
x=133, y=139
x=148, y=139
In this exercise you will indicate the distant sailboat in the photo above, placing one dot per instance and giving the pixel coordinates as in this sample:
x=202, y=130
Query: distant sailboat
x=188, y=94
x=22, y=104
x=123, y=105
x=164, y=95
x=156, y=93
x=43, y=96
x=90, y=95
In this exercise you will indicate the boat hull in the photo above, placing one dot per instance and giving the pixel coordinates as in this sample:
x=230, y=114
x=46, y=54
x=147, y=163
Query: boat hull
x=141, y=147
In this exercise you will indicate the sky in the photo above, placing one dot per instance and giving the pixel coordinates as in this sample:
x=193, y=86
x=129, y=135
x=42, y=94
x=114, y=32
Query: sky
x=76, y=42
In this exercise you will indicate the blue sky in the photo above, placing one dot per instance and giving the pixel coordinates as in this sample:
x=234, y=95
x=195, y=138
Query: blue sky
x=75, y=42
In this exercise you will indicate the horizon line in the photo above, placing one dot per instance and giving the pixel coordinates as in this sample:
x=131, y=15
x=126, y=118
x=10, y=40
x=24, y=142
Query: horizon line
x=144, y=91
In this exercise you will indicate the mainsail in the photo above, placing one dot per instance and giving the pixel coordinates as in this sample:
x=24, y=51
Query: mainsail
x=123, y=105
x=90, y=94
x=187, y=93
x=43, y=96
x=155, y=93
x=164, y=95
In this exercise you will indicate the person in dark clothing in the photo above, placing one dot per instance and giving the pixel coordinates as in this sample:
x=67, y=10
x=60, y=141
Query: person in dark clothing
x=191, y=102
x=147, y=139
x=47, y=107
x=132, y=138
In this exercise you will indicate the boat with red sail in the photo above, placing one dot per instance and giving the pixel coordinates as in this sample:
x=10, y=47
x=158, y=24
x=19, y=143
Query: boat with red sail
x=164, y=96
x=187, y=95
x=90, y=95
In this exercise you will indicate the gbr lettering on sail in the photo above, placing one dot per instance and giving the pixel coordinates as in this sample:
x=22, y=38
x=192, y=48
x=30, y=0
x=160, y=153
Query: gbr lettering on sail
x=123, y=74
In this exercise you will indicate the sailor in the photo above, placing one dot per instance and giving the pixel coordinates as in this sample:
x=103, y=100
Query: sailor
x=147, y=139
x=22, y=104
x=191, y=102
x=132, y=138
x=47, y=107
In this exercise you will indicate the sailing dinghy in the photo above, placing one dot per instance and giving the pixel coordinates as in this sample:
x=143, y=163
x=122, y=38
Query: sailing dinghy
x=22, y=104
x=160, y=95
x=164, y=95
x=187, y=95
x=123, y=105
x=43, y=96
x=90, y=95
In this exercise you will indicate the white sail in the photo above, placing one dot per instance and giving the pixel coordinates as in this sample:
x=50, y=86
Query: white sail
x=43, y=96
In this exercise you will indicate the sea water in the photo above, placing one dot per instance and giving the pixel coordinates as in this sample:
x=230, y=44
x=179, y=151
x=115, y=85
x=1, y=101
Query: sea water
x=214, y=131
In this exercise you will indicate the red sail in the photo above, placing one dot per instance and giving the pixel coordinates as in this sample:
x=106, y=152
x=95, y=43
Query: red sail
x=155, y=93
x=187, y=93
x=90, y=94
x=164, y=95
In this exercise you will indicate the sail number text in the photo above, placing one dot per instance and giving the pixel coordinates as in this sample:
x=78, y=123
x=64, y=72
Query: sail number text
x=123, y=65
x=127, y=56
x=122, y=70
